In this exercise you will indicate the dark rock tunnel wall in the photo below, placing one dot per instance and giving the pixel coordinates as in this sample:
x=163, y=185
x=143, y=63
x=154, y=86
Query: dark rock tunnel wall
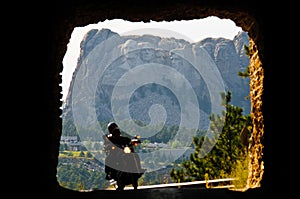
x=62, y=17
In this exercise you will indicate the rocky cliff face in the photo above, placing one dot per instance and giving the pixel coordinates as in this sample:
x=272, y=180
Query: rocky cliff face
x=155, y=80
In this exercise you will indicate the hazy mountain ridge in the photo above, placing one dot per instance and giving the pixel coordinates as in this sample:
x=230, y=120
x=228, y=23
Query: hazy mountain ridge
x=227, y=55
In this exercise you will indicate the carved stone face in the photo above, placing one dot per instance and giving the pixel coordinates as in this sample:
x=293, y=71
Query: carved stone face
x=147, y=54
x=176, y=60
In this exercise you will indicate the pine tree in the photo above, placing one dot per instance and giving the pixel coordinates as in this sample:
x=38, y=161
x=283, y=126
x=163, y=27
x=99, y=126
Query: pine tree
x=227, y=151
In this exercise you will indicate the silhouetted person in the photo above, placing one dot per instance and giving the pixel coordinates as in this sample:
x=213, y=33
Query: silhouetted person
x=113, y=143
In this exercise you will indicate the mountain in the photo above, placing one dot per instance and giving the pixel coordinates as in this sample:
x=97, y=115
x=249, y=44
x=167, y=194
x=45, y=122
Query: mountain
x=153, y=81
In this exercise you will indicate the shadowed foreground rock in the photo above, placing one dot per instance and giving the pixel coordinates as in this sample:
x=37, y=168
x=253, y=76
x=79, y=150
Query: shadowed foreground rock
x=166, y=193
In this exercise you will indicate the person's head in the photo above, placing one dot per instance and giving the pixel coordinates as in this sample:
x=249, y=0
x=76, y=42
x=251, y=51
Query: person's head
x=147, y=54
x=113, y=129
x=128, y=46
x=176, y=60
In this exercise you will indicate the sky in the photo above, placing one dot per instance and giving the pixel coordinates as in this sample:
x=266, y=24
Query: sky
x=190, y=30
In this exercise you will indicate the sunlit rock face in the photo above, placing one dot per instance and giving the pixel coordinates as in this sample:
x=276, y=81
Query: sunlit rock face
x=155, y=81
